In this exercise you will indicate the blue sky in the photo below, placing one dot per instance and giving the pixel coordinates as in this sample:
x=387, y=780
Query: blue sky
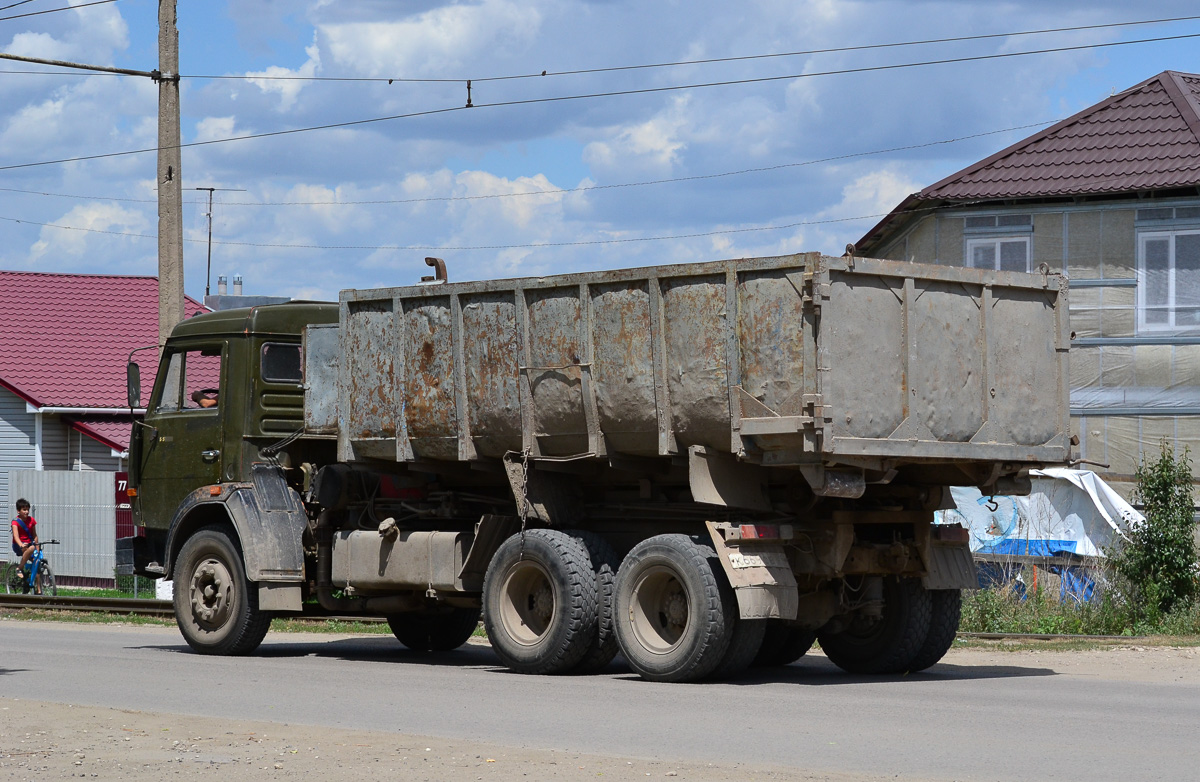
x=361, y=206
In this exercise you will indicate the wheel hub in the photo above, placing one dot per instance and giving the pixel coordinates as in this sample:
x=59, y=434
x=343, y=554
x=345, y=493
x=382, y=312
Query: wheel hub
x=211, y=592
x=527, y=603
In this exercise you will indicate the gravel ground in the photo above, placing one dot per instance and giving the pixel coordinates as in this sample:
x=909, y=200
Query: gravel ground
x=41, y=740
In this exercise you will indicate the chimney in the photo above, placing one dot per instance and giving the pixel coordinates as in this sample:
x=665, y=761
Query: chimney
x=237, y=285
x=222, y=285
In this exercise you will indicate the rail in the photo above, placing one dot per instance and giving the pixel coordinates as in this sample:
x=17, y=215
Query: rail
x=163, y=608
x=134, y=607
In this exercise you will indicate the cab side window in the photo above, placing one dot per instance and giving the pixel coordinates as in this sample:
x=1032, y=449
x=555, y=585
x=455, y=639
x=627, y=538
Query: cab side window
x=193, y=380
x=281, y=363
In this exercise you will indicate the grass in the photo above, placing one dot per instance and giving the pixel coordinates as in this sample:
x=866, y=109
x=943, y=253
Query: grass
x=1005, y=610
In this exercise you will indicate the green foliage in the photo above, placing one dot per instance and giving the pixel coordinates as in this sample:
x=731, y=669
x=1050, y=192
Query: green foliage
x=1156, y=567
x=1005, y=610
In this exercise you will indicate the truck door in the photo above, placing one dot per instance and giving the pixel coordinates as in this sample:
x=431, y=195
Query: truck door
x=182, y=452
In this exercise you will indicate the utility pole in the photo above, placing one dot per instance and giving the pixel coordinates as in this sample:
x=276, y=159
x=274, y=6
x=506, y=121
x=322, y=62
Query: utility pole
x=211, y=190
x=170, y=180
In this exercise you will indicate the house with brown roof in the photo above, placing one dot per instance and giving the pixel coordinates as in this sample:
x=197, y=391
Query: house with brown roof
x=64, y=343
x=1111, y=198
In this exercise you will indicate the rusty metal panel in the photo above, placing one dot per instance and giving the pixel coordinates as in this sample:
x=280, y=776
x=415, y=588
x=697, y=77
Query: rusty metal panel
x=491, y=369
x=786, y=360
x=555, y=370
x=941, y=363
x=695, y=330
x=1022, y=351
x=321, y=351
x=429, y=383
x=860, y=337
x=770, y=326
x=623, y=366
x=368, y=349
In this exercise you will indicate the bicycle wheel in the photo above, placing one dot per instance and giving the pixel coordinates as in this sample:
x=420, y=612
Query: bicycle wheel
x=12, y=578
x=43, y=583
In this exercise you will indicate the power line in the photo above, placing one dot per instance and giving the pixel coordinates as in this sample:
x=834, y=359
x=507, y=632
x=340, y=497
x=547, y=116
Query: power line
x=14, y=5
x=527, y=246
x=594, y=95
x=52, y=10
x=559, y=191
x=708, y=61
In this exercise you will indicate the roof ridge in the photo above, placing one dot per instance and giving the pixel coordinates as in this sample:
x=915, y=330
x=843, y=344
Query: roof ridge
x=1167, y=81
x=1184, y=99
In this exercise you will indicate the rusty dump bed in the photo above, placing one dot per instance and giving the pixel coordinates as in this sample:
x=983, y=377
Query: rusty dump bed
x=787, y=360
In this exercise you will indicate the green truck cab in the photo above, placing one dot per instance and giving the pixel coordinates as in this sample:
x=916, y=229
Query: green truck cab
x=228, y=391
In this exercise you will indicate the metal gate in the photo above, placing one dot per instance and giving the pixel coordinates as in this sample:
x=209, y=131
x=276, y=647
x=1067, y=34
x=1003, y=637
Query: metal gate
x=79, y=509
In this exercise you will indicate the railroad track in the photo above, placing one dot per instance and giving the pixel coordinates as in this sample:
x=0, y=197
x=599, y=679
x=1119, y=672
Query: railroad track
x=131, y=606
x=110, y=605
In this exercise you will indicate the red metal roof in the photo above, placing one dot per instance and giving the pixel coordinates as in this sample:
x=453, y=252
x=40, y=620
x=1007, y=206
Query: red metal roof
x=111, y=430
x=1145, y=138
x=65, y=338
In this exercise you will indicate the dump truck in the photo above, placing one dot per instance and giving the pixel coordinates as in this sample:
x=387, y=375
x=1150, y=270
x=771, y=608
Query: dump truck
x=702, y=467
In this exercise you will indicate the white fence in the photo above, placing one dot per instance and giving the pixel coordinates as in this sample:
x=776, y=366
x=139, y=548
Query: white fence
x=77, y=508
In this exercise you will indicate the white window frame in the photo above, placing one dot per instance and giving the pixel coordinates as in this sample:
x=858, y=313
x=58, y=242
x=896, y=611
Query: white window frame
x=1142, y=288
x=995, y=242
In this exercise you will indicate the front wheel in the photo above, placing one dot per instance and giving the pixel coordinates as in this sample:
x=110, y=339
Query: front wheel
x=438, y=631
x=216, y=608
x=43, y=582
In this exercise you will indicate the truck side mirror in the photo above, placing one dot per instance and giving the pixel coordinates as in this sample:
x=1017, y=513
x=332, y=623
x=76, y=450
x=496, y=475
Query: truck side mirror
x=133, y=383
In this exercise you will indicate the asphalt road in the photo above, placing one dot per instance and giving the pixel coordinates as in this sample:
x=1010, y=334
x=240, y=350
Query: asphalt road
x=1011, y=721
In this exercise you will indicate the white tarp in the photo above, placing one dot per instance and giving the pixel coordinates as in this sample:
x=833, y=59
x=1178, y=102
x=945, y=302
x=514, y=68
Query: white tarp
x=1068, y=512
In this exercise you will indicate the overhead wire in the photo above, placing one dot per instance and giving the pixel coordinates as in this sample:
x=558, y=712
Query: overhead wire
x=53, y=10
x=705, y=61
x=594, y=95
x=563, y=191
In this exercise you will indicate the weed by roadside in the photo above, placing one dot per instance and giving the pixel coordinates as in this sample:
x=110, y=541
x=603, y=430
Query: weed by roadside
x=1005, y=610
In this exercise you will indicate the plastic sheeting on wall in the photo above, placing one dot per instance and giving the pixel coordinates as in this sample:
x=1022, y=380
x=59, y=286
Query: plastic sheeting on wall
x=1068, y=512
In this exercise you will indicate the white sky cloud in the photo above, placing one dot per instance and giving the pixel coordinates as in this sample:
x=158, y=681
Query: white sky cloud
x=772, y=129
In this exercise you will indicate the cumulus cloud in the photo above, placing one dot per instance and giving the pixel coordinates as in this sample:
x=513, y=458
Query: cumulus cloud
x=73, y=233
x=286, y=82
x=431, y=41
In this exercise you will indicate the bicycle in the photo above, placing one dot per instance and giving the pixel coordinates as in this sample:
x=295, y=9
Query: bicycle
x=39, y=579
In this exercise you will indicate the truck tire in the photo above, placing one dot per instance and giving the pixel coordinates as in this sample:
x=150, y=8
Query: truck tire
x=434, y=631
x=783, y=644
x=888, y=644
x=605, y=563
x=674, y=622
x=539, y=602
x=216, y=608
x=743, y=648
x=943, y=627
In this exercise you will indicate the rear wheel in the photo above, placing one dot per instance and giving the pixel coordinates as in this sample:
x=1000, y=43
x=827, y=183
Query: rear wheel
x=674, y=622
x=539, y=602
x=943, y=627
x=605, y=564
x=885, y=644
x=43, y=582
x=440, y=631
x=783, y=644
x=216, y=608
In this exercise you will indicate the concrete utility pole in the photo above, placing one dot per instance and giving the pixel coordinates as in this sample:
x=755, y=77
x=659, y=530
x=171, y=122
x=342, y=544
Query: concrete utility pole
x=170, y=181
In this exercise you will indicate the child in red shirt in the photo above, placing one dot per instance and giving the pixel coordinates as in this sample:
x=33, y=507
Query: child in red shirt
x=24, y=532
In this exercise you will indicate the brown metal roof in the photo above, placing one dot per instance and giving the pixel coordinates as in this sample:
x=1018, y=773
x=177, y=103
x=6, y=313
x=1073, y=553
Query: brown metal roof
x=1145, y=138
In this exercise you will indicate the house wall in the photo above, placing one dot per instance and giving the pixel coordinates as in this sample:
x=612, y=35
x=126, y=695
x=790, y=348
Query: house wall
x=18, y=450
x=62, y=448
x=1130, y=390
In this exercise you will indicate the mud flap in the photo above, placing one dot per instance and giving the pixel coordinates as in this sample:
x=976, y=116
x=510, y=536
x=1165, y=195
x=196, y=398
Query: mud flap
x=950, y=566
x=761, y=577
